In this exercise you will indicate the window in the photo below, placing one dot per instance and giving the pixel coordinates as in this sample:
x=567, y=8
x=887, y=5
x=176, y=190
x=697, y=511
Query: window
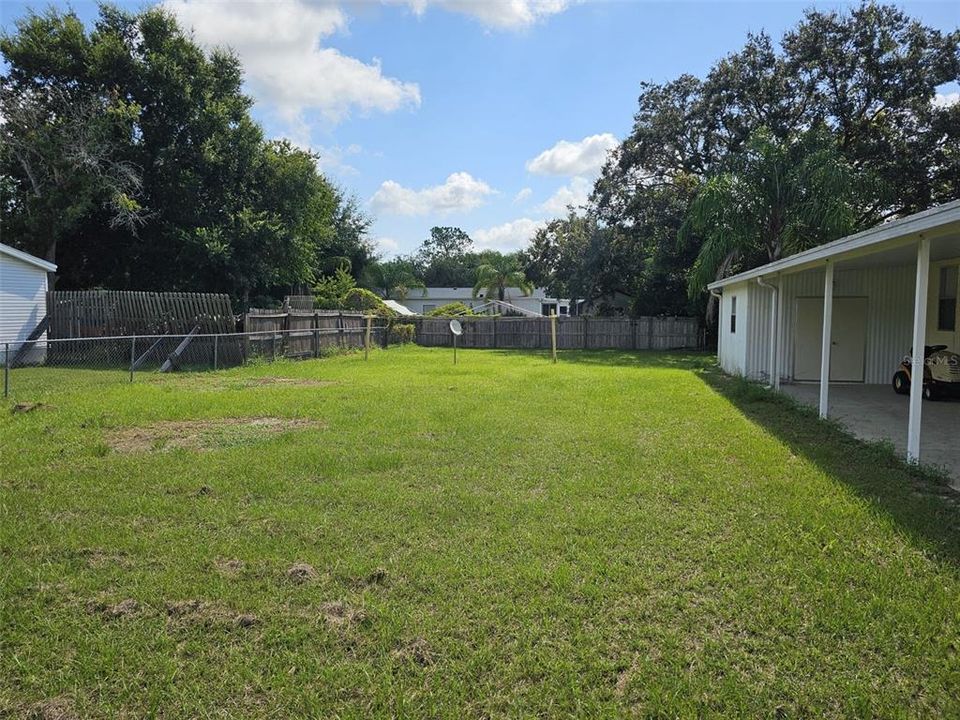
x=947, y=300
x=733, y=314
x=564, y=310
x=547, y=308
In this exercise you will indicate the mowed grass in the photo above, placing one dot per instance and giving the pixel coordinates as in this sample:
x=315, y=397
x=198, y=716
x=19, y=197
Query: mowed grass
x=616, y=534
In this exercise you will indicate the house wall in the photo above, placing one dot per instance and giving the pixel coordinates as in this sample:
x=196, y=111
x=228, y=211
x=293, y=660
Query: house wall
x=419, y=303
x=889, y=294
x=732, y=346
x=23, y=302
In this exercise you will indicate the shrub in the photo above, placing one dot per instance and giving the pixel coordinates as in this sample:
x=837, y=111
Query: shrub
x=457, y=309
x=359, y=299
x=401, y=333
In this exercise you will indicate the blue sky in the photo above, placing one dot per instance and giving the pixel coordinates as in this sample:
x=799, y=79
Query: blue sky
x=490, y=115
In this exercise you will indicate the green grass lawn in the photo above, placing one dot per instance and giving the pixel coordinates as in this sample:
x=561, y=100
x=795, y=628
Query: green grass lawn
x=616, y=534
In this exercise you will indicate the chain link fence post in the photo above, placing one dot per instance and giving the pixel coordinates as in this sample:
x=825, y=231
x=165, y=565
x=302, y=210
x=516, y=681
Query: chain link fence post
x=6, y=369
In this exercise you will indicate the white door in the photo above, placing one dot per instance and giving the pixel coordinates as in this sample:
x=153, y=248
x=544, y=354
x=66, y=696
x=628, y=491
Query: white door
x=849, y=344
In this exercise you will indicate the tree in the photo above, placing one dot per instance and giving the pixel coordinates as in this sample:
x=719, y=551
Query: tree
x=154, y=175
x=499, y=274
x=776, y=198
x=61, y=153
x=394, y=278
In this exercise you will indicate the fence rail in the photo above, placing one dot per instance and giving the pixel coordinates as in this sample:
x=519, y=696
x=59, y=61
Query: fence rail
x=577, y=333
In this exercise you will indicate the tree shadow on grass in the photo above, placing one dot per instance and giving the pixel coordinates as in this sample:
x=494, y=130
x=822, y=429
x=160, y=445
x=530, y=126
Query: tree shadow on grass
x=918, y=499
x=679, y=359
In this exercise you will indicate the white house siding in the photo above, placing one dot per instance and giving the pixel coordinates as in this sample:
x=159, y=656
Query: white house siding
x=23, y=302
x=889, y=293
x=733, y=346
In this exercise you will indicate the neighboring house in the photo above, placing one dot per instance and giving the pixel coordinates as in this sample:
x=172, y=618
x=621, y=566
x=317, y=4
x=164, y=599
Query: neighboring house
x=423, y=300
x=872, y=296
x=23, y=301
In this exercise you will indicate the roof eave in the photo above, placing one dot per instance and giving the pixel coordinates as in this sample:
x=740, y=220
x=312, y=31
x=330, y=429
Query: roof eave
x=926, y=221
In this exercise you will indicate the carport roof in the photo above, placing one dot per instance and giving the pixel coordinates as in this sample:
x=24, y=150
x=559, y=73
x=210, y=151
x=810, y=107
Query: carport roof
x=936, y=219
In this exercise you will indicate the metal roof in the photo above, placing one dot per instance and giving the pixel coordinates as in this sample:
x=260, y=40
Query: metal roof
x=27, y=258
x=933, y=220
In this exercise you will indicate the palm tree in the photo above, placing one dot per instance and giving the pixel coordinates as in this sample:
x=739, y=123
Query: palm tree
x=500, y=273
x=393, y=278
x=775, y=199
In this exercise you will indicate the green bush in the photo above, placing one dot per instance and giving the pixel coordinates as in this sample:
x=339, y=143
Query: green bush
x=359, y=299
x=454, y=309
x=401, y=333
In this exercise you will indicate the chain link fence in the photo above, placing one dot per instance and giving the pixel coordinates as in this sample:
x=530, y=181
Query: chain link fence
x=48, y=365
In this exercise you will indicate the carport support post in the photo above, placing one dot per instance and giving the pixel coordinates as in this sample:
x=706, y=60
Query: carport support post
x=778, y=320
x=917, y=362
x=827, y=340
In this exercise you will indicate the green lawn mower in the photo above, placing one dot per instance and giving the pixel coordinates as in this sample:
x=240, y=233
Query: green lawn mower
x=941, y=373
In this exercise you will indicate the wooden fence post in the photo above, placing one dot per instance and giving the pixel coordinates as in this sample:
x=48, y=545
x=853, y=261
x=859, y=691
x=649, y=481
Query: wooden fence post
x=553, y=335
x=340, y=329
x=495, y=333
x=366, y=342
x=586, y=336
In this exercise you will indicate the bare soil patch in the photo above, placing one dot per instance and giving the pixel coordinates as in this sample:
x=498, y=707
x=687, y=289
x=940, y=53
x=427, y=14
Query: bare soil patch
x=60, y=708
x=417, y=651
x=26, y=407
x=197, y=612
x=230, y=568
x=123, y=609
x=203, y=434
x=337, y=614
x=301, y=573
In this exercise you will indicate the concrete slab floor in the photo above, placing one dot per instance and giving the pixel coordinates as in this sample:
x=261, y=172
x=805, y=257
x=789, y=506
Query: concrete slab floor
x=875, y=412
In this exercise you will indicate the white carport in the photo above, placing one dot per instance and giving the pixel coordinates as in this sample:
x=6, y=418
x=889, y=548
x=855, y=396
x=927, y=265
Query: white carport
x=848, y=311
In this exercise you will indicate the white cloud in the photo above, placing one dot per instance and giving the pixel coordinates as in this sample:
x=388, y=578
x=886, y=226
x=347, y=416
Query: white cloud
x=500, y=14
x=522, y=195
x=285, y=66
x=946, y=99
x=460, y=191
x=509, y=236
x=386, y=245
x=576, y=193
x=583, y=157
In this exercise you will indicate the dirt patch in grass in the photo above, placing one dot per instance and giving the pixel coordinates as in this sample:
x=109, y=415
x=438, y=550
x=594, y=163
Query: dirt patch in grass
x=230, y=568
x=25, y=407
x=60, y=708
x=417, y=651
x=301, y=573
x=116, y=611
x=337, y=614
x=204, y=614
x=203, y=434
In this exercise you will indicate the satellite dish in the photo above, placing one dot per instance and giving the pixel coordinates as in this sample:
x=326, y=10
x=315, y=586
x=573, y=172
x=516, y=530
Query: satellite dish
x=457, y=329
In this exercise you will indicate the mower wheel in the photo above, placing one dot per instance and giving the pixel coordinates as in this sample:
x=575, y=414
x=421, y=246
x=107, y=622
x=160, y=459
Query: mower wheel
x=901, y=383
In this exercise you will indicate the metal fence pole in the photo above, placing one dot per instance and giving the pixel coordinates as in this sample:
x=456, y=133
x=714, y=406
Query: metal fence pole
x=215, y=350
x=133, y=354
x=6, y=369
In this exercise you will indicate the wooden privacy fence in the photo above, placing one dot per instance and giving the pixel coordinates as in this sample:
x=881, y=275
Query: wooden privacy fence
x=306, y=333
x=111, y=313
x=576, y=333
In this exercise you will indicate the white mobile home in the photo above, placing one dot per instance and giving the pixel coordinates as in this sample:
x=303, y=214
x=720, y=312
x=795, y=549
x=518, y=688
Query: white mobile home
x=851, y=311
x=23, y=300
x=423, y=300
